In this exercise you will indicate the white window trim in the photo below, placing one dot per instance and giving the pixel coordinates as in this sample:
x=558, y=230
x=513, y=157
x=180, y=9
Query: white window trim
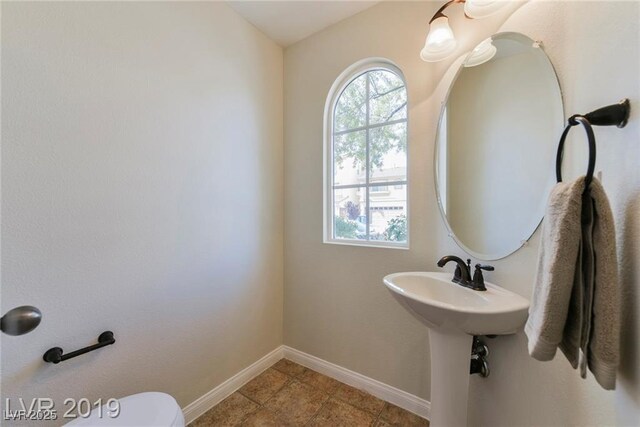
x=338, y=86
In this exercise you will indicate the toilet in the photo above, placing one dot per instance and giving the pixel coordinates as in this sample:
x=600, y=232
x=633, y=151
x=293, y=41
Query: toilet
x=150, y=409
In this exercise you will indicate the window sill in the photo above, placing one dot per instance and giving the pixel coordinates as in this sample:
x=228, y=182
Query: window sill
x=368, y=244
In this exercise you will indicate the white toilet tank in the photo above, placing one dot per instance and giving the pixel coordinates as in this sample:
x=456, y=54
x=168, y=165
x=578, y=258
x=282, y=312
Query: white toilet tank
x=151, y=409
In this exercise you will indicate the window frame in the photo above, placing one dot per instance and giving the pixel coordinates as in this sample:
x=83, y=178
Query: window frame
x=340, y=84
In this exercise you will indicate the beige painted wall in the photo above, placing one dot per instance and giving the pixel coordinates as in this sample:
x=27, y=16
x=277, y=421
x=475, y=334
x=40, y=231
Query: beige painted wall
x=336, y=306
x=142, y=193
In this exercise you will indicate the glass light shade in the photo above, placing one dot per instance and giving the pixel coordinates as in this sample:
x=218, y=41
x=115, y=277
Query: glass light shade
x=482, y=8
x=440, y=41
x=481, y=53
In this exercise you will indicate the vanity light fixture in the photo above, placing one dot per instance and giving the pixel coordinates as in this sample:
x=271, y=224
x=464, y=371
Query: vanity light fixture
x=441, y=42
x=481, y=53
x=478, y=9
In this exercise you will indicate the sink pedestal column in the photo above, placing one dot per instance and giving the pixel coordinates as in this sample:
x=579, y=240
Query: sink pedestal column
x=450, y=361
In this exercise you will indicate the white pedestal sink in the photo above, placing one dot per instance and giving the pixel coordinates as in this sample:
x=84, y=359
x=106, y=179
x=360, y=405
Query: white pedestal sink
x=454, y=314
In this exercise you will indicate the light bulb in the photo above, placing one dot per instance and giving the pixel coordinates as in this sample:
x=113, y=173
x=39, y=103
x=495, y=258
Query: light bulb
x=440, y=41
x=481, y=53
x=482, y=8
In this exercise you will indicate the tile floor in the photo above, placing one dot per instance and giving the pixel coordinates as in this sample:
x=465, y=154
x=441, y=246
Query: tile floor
x=288, y=394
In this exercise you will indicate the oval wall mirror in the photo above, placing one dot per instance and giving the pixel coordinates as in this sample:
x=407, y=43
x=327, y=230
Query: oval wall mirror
x=496, y=143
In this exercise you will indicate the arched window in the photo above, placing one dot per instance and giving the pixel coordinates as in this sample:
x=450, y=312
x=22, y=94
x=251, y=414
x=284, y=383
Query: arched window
x=366, y=157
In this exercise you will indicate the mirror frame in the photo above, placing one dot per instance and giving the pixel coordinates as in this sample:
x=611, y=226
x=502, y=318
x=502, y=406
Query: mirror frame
x=528, y=234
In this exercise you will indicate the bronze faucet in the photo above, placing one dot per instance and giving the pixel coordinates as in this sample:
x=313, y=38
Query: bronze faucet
x=462, y=275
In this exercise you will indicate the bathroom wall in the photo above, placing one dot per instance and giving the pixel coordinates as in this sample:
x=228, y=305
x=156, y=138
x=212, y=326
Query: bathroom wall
x=142, y=193
x=336, y=306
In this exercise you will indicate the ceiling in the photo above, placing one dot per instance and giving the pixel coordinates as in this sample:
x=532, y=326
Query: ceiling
x=287, y=22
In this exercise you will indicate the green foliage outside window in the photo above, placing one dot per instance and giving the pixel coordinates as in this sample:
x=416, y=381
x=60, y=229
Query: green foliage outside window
x=344, y=228
x=387, y=102
x=397, y=229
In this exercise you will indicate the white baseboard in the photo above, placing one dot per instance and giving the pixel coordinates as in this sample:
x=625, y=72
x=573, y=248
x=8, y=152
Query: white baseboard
x=378, y=389
x=224, y=390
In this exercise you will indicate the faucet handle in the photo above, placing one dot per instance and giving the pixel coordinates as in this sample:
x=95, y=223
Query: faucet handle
x=478, y=278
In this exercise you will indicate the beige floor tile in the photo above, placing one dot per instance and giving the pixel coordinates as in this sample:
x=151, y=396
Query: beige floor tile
x=264, y=418
x=317, y=380
x=399, y=417
x=296, y=402
x=261, y=388
x=288, y=367
x=381, y=423
x=335, y=413
x=229, y=412
x=288, y=394
x=358, y=398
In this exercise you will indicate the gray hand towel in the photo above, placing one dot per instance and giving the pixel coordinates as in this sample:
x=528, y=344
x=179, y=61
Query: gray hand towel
x=575, y=302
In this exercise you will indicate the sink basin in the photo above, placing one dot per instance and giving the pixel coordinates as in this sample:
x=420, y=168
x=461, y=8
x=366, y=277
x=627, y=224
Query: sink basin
x=453, y=315
x=440, y=303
